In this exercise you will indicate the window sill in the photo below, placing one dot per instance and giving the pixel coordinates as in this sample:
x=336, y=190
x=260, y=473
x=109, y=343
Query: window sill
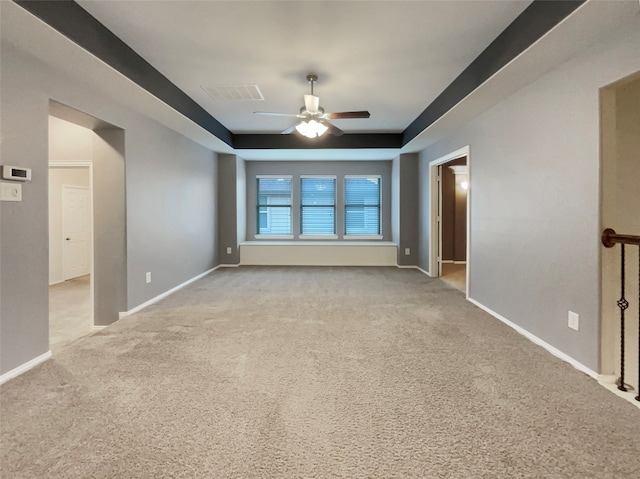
x=362, y=237
x=274, y=237
x=317, y=243
x=318, y=237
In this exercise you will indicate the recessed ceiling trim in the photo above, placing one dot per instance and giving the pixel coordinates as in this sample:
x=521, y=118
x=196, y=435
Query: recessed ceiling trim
x=75, y=23
x=531, y=25
x=284, y=142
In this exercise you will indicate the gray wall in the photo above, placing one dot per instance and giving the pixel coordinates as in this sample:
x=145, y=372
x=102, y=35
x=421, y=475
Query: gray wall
x=171, y=196
x=395, y=201
x=24, y=306
x=535, y=198
x=109, y=226
x=170, y=203
x=337, y=168
x=241, y=199
x=408, y=209
x=228, y=209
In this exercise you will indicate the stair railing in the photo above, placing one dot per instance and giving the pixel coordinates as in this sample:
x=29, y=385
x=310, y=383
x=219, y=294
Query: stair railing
x=609, y=239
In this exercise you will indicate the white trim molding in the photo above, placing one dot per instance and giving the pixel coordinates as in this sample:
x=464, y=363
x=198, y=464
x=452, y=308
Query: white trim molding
x=434, y=236
x=609, y=382
x=23, y=368
x=422, y=271
x=535, y=339
x=140, y=307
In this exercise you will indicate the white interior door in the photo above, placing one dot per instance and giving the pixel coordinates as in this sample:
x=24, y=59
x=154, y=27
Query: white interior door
x=76, y=232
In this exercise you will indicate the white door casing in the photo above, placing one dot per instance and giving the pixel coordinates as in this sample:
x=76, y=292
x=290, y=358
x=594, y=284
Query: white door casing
x=435, y=230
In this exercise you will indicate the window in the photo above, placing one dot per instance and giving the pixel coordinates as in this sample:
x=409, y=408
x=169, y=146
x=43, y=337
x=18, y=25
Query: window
x=317, y=205
x=274, y=206
x=362, y=205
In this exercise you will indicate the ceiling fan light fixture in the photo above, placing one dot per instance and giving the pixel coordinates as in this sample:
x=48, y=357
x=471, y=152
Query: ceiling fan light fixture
x=314, y=121
x=311, y=128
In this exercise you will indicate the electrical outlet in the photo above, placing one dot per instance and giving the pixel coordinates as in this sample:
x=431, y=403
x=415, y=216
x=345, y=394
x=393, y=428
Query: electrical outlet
x=407, y=251
x=228, y=249
x=148, y=277
x=574, y=320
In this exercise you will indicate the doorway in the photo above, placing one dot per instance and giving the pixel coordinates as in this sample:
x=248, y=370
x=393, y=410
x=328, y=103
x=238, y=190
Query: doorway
x=449, y=219
x=70, y=232
x=80, y=140
x=619, y=199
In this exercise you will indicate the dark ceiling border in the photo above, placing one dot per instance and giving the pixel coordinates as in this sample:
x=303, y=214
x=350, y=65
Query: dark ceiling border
x=75, y=23
x=297, y=142
x=72, y=21
x=535, y=21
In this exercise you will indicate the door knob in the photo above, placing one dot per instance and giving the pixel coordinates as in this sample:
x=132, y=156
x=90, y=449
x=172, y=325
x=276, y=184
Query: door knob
x=68, y=239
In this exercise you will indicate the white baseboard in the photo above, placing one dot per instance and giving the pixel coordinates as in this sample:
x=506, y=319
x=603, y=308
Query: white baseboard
x=609, y=382
x=24, y=367
x=98, y=327
x=422, y=271
x=226, y=266
x=459, y=262
x=165, y=294
x=535, y=339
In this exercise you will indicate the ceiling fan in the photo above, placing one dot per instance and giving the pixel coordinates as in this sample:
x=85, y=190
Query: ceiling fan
x=313, y=120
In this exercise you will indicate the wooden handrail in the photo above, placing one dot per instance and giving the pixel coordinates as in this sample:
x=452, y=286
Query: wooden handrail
x=610, y=238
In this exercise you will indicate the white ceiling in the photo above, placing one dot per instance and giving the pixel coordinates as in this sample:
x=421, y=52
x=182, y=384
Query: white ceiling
x=389, y=57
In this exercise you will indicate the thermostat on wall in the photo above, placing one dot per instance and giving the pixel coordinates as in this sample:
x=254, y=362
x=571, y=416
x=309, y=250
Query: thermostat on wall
x=16, y=173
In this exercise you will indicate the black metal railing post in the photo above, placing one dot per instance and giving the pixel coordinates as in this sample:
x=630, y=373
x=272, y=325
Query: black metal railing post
x=623, y=304
x=609, y=239
x=638, y=388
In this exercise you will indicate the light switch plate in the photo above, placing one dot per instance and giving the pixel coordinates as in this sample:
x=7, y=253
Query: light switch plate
x=10, y=191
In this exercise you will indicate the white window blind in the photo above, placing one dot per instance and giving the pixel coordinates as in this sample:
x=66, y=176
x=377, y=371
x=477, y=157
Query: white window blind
x=362, y=205
x=274, y=206
x=317, y=205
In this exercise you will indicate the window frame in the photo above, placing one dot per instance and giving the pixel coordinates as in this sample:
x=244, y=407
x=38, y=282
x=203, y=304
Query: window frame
x=316, y=236
x=345, y=205
x=259, y=235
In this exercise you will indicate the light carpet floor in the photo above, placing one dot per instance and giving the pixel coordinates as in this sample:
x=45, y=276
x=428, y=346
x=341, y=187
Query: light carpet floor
x=313, y=373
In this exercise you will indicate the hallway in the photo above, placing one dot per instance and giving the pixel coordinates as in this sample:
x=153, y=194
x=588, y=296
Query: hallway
x=70, y=316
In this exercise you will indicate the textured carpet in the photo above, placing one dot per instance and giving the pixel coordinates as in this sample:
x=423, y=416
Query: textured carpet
x=313, y=373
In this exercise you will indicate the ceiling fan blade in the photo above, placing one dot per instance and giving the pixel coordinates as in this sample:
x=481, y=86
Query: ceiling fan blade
x=291, y=129
x=334, y=130
x=347, y=114
x=311, y=103
x=271, y=113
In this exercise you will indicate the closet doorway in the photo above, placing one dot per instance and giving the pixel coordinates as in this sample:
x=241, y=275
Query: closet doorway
x=449, y=238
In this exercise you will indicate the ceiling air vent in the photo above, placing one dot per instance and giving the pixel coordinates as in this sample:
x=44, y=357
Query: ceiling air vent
x=234, y=92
